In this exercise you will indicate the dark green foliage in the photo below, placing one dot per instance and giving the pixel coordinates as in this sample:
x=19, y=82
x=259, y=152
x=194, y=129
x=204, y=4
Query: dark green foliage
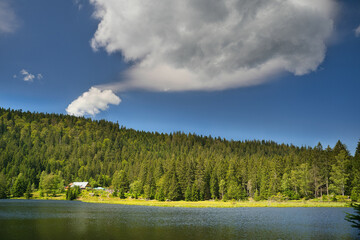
x=195, y=195
x=28, y=191
x=174, y=189
x=233, y=191
x=222, y=185
x=188, y=195
x=4, y=192
x=72, y=193
x=135, y=189
x=19, y=187
x=257, y=196
x=355, y=182
x=51, y=184
x=354, y=218
x=214, y=187
x=51, y=150
x=339, y=174
x=160, y=196
x=121, y=193
x=148, y=191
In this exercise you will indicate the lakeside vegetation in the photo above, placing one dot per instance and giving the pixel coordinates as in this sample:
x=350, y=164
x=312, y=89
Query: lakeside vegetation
x=91, y=196
x=45, y=152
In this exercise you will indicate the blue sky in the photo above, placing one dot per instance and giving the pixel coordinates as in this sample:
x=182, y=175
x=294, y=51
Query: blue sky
x=301, y=100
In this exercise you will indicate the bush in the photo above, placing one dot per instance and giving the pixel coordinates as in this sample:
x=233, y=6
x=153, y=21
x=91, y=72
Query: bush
x=342, y=198
x=333, y=198
x=324, y=198
x=28, y=193
x=296, y=196
x=115, y=193
x=278, y=197
x=72, y=193
x=257, y=196
x=355, y=195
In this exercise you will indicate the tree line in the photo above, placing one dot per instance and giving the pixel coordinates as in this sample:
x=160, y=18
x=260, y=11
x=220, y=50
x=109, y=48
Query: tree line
x=47, y=151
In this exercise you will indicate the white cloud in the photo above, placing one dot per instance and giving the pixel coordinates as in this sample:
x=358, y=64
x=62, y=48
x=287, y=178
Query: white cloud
x=8, y=21
x=78, y=3
x=357, y=31
x=28, y=77
x=92, y=102
x=210, y=44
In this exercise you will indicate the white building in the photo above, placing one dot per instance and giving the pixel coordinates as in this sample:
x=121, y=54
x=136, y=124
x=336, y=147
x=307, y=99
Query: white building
x=82, y=185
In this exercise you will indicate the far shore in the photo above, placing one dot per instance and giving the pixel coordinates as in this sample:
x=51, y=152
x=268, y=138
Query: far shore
x=217, y=204
x=108, y=199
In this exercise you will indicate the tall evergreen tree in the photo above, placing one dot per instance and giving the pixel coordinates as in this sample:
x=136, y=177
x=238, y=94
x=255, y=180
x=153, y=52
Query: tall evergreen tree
x=3, y=187
x=19, y=187
x=339, y=176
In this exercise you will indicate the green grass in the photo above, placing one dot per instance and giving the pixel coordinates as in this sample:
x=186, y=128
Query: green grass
x=36, y=195
x=213, y=204
x=104, y=197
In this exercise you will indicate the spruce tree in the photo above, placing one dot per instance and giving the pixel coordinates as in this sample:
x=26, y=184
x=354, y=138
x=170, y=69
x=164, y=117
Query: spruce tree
x=19, y=187
x=339, y=176
x=3, y=187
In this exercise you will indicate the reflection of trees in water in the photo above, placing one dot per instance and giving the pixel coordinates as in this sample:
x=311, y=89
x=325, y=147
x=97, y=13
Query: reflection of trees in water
x=354, y=218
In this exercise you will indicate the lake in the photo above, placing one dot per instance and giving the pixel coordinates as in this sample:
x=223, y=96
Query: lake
x=37, y=219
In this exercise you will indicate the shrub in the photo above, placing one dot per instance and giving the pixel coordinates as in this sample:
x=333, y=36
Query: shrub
x=278, y=197
x=72, y=193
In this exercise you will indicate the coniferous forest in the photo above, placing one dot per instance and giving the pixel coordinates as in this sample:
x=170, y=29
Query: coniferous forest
x=36, y=148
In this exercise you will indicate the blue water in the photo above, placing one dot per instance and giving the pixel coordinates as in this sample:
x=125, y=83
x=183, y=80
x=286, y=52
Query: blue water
x=34, y=219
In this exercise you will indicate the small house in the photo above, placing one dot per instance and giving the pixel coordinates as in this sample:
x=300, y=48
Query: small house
x=82, y=185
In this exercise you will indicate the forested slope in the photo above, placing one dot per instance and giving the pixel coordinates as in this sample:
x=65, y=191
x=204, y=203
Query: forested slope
x=165, y=166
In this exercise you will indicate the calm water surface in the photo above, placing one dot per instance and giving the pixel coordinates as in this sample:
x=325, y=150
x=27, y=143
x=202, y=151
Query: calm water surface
x=31, y=219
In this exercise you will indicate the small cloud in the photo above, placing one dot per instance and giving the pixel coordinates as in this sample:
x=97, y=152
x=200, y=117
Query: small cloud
x=92, y=102
x=28, y=77
x=357, y=31
x=79, y=4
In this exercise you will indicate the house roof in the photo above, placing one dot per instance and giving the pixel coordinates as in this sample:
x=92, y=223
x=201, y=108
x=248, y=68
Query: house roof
x=80, y=184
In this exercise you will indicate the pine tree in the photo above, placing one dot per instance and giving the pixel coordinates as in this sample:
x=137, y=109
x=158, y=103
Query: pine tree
x=355, y=192
x=222, y=185
x=257, y=196
x=3, y=186
x=339, y=176
x=135, y=189
x=19, y=187
x=28, y=193
x=174, y=189
x=188, y=195
x=214, y=187
x=195, y=195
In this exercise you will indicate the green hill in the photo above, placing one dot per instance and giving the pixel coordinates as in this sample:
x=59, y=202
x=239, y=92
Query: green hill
x=165, y=166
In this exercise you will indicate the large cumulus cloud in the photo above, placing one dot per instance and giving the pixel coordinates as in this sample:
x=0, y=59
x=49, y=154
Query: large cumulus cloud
x=211, y=44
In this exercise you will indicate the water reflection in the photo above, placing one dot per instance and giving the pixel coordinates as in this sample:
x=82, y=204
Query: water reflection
x=21, y=219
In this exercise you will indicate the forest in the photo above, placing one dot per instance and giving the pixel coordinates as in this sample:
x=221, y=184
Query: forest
x=49, y=151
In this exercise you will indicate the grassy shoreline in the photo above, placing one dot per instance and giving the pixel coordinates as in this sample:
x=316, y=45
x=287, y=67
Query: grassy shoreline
x=108, y=199
x=216, y=204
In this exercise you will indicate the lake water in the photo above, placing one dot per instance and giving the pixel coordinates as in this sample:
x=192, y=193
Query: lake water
x=32, y=219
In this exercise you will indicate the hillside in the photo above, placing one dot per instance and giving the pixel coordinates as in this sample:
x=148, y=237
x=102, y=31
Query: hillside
x=165, y=166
